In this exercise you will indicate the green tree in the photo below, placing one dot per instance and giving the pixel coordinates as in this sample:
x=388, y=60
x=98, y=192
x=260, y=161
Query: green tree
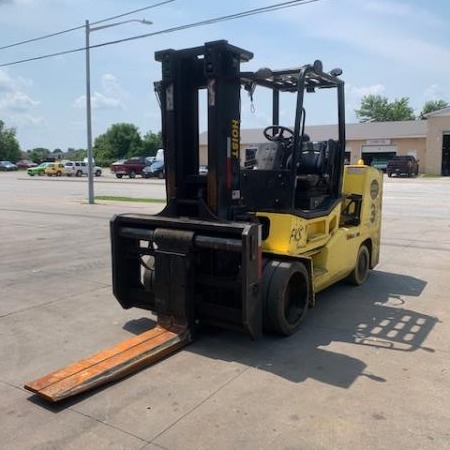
x=9, y=146
x=375, y=108
x=432, y=105
x=74, y=154
x=121, y=140
x=39, y=154
x=151, y=142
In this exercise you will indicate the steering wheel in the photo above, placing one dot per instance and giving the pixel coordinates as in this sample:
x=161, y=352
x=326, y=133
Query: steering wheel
x=279, y=135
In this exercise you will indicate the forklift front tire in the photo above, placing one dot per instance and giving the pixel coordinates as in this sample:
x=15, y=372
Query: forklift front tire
x=286, y=296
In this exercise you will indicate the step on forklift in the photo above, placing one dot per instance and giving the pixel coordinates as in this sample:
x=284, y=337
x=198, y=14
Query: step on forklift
x=243, y=247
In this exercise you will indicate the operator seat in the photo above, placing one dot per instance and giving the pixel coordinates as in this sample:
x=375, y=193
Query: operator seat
x=311, y=159
x=311, y=165
x=312, y=190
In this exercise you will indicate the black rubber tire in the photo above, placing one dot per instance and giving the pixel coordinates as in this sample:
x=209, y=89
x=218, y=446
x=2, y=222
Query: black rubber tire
x=119, y=175
x=79, y=173
x=286, y=291
x=132, y=174
x=161, y=175
x=58, y=174
x=98, y=173
x=362, y=266
x=389, y=174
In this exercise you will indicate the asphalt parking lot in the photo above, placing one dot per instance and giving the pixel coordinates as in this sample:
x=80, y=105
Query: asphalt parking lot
x=368, y=370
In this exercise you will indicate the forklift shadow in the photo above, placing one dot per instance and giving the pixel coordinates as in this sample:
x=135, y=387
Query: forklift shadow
x=327, y=348
x=372, y=315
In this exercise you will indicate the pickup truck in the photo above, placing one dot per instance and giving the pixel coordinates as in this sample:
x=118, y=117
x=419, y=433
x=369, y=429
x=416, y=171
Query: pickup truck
x=129, y=167
x=403, y=165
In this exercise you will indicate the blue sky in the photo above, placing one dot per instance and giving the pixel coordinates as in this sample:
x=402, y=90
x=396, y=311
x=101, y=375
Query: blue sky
x=389, y=47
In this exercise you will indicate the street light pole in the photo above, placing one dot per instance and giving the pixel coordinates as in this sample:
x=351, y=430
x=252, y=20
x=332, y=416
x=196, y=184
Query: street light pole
x=89, y=119
x=90, y=161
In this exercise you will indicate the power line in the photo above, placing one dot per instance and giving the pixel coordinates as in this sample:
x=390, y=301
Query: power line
x=132, y=12
x=58, y=33
x=252, y=12
x=41, y=37
x=240, y=15
x=49, y=55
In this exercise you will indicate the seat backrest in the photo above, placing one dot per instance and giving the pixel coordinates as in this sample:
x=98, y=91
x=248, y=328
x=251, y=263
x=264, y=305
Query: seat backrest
x=311, y=159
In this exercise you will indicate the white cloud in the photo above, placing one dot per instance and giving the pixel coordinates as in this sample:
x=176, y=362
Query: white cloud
x=29, y=119
x=6, y=82
x=394, y=30
x=358, y=92
x=110, y=85
x=403, y=11
x=111, y=97
x=388, y=8
x=99, y=101
x=15, y=104
x=434, y=92
x=16, y=2
x=18, y=102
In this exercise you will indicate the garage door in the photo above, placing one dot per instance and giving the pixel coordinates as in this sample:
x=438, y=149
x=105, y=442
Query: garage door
x=379, y=149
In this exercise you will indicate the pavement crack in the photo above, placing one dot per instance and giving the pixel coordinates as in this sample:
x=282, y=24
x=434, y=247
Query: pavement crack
x=110, y=426
x=201, y=403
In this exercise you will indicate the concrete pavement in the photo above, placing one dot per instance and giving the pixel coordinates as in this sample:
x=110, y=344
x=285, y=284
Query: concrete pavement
x=368, y=370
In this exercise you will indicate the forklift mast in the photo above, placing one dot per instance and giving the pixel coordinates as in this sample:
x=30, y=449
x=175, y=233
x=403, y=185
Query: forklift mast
x=216, y=68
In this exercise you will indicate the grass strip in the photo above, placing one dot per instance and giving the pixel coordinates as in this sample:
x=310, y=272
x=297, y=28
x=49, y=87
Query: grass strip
x=129, y=199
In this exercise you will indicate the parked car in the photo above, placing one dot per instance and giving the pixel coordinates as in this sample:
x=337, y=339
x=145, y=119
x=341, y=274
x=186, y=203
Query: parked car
x=402, y=165
x=37, y=170
x=380, y=164
x=7, y=166
x=80, y=168
x=55, y=168
x=130, y=167
x=25, y=164
x=156, y=170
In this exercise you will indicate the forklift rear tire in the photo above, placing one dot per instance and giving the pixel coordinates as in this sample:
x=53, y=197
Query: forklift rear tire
x=361, y=270
x=286, y=288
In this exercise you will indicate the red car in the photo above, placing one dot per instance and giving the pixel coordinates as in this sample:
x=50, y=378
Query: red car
x=25, y=164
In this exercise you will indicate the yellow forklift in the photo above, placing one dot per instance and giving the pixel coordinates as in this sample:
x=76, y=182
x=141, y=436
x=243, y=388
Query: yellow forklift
x=241, y=247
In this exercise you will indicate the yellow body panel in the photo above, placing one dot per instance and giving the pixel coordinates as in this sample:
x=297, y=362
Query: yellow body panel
x=330, y=244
